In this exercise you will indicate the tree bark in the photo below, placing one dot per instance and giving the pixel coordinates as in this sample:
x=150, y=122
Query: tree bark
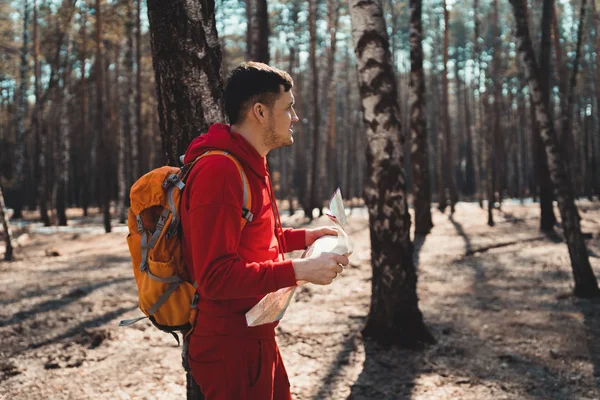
x=19, y=175
x=585, y=281
x=394, y=317
x=102, y=150
x=258, y=45
x=450, y=164
x=315, y=193
x=129, y=116
x=547, y=219
x=138, y=84
x=496, y=149
x=477, y=131
x=568, y=141
x=187, y=65
x=63, y=159
x=333, y=176
x=8, y=253
x=418, y=126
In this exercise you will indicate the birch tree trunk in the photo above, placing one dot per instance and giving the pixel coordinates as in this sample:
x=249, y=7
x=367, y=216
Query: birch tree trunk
x=394, y=316
x=187, y=65
x=585, y=281
x=418, y=127
x=8, y=253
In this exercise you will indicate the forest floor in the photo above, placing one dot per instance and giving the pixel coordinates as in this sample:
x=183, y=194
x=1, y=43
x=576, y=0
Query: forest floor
x=505, y=322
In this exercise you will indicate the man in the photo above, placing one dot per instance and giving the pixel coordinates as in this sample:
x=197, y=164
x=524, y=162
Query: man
x=236, y=267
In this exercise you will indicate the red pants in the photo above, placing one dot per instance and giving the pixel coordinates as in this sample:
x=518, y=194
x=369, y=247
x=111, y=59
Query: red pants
x=229, y=368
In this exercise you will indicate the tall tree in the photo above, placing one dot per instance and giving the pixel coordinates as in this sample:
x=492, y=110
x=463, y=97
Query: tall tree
x=38, y=132
x=332, y=24
x=138, y=84
x=19, y=176
x=130, y=113
x=185, y=49
x=478, y=131
x=394, y=316
x=63, y=151
x=418, y=127
x=102, y=149
x=315, y=193
x=568, y=142
x=89, y=146
x=187, y=67
x=497, y=142
x=450, y=167
x=547, y=219
x=586, y=284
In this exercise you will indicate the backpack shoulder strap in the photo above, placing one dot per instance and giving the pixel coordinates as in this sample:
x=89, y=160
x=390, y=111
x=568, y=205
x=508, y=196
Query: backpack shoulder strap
x=247, y=215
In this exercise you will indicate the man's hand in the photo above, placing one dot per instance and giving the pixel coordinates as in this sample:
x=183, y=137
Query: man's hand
x=313, y=234
x=320, y=270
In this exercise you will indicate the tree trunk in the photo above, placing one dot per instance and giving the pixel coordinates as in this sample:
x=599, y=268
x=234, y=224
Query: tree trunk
x=442, y=171
x=258, y=31
x=449, y=167
x=585, y=281
x=8, y=253
x=138, y=84
x=187, y=67
x=478, y=132
x=40, y=138
x=19, y=175
x=496, y=149
x=102, y=150
x=418, y=126
x=394, y=316
x=567, y=139
x=597, y=84
x=333, y=176
x=548, y=219
x=129, y=115
x=63, y=159
x=315, y=193
x=185, y=48
x=560, y=65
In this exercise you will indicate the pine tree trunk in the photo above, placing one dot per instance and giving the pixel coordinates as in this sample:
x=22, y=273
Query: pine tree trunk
x=37, y=130
x=259, y=31
x=64, y=139
x=567, y=139
x=394, y=316
x=560, y=66
x=185, y=49
x=418, y=126
x=130, y=113
x=19, y=176
x=315, y=193
x=101, y=140
x=548, y=219
x=139, y=131
x=8, y=253
x=442, y=171
x=477, y=131
x=333, y=176
x=496, y=149
x=450, y=164
x=585, y=281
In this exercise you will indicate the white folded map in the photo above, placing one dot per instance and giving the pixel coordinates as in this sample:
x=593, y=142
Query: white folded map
x=272, y=307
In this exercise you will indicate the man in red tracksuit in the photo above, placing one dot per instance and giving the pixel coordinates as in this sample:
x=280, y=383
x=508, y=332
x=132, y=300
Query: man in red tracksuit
x=236, y=267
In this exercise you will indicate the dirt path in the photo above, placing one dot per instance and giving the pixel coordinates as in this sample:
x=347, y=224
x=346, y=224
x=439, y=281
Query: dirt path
x=505, y=324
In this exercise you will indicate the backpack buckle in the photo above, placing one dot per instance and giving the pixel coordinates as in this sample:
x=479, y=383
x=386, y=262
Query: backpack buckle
x=171, y=180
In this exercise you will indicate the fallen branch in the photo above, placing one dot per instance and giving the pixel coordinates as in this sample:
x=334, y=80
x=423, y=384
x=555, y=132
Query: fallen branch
x=505, y=244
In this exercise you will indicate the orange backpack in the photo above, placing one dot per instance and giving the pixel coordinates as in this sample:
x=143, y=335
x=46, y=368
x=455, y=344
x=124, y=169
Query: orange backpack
x=167, y=296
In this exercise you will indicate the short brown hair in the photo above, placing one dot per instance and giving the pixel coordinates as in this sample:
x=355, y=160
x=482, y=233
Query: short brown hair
x=253, y=82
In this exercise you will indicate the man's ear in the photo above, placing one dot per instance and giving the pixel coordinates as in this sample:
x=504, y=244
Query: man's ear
x=259, y=111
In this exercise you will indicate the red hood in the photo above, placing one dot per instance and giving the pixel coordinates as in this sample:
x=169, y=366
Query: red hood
x=220, y=136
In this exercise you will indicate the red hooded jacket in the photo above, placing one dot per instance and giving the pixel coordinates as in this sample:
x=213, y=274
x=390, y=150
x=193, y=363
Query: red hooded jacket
x=234, y=268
